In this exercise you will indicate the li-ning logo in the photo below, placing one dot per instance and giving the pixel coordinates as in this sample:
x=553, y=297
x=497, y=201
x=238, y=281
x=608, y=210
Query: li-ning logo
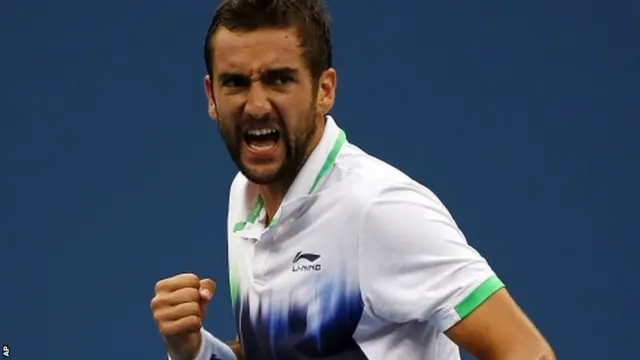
x=310, y=258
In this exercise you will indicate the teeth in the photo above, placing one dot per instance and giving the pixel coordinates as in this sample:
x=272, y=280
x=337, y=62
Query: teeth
x=258, y=132
x=261, y=147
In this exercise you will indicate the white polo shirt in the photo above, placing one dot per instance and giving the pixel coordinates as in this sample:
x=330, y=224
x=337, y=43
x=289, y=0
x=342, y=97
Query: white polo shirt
x=360, y=262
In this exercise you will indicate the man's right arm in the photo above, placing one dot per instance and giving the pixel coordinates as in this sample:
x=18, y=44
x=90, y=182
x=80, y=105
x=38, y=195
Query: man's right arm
x=210, y=348
x=178, y=308
x=236, y=347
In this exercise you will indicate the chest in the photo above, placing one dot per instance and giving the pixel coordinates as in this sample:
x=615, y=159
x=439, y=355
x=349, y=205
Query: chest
x=296, y=257
x=299, y=278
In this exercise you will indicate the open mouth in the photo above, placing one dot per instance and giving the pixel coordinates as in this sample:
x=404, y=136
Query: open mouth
x=262, y=139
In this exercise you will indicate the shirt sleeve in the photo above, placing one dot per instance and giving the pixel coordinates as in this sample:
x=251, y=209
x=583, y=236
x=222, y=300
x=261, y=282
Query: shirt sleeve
x=415, y=263
x=211, y=348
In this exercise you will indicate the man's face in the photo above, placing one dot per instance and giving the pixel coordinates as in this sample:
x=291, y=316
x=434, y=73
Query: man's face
x=267, y=107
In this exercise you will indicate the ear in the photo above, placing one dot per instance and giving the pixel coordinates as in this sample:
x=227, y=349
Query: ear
x=327, y=91
x=211, y=103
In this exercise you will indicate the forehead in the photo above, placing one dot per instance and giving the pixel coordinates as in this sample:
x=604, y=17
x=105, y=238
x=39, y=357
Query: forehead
x=250, y=51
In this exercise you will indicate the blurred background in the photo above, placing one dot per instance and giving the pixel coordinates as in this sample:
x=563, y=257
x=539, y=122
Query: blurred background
x=523, y=116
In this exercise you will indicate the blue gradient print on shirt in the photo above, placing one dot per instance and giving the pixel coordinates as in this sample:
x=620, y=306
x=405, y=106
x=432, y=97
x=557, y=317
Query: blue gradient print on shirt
x=321, y=328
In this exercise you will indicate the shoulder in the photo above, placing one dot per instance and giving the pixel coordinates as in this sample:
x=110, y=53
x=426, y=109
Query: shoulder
x=368, y=181
x=394, y=210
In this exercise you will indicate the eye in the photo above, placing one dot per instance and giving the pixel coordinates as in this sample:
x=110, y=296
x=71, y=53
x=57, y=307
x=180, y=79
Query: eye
x=282, y=79
x=234, y=81
x=277, y=78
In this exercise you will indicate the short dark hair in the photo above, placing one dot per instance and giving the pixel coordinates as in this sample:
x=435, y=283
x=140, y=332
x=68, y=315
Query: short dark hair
x=309, y=16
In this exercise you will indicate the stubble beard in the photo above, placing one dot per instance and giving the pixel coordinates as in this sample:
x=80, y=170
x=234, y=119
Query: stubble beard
x=295, y=150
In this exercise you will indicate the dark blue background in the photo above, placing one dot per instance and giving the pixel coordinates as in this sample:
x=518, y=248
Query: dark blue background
x=521, y=115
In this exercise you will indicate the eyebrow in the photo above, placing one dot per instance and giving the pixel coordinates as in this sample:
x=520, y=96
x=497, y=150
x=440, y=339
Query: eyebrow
x=279, y=71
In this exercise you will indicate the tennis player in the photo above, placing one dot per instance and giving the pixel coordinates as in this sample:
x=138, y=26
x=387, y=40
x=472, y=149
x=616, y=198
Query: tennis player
x=333, y=253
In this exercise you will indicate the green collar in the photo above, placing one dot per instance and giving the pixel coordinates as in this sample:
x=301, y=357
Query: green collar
x=338, y=143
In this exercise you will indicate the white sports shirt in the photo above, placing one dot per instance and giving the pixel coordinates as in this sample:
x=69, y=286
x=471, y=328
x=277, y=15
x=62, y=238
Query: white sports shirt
x=360, y=262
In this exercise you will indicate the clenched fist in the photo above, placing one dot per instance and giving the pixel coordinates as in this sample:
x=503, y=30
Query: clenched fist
x=178, y=309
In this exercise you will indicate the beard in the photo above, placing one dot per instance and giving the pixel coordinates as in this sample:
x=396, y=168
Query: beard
x=295, y=140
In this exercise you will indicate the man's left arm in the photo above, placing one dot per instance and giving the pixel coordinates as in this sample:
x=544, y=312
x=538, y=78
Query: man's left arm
x=499, y=330
x=420, y=268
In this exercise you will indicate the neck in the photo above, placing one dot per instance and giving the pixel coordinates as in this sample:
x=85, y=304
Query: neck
x=273, y=194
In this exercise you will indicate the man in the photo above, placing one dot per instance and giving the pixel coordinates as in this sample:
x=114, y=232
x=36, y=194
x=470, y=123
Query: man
x=333, y=254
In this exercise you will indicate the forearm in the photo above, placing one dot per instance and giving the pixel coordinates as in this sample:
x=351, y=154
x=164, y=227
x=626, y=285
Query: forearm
x=522, y=354
x=236, y=347
x=548, y=356
x=210, y=346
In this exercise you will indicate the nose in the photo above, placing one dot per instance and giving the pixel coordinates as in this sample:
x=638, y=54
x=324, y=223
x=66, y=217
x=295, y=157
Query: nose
x=258, y=104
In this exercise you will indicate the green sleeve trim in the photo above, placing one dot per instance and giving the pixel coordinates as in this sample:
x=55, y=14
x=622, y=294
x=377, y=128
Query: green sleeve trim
x=478, y=296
